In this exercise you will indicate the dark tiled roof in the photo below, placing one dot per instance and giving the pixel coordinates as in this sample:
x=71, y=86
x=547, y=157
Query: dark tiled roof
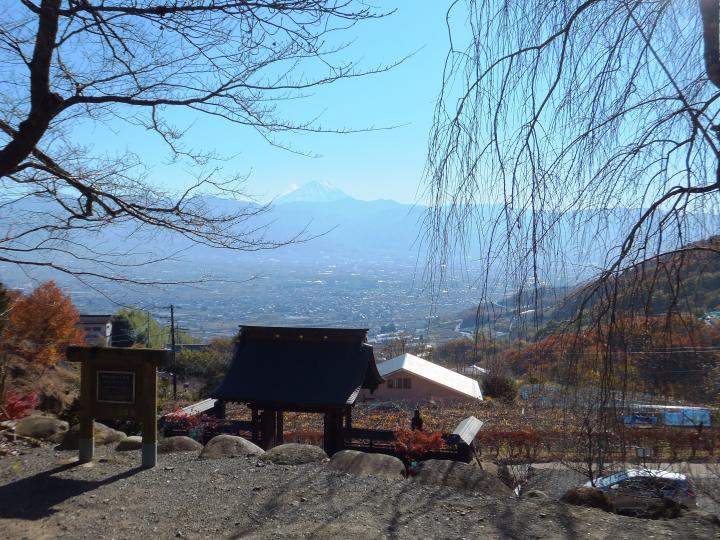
x=299, y=367
x=95, y=319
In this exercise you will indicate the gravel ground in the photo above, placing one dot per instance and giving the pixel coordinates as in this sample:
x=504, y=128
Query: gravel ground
x=44, y=494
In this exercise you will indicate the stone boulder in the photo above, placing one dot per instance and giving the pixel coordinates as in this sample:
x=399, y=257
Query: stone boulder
x=103, y=435
x=589, y=497
x=294, y=454
x=229, y=446
x=362, y=464
x=42, y=427
x=134, y=442
x=172, y=445
x=458, y=475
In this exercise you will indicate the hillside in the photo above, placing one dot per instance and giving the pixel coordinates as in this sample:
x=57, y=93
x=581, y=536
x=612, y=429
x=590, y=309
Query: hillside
x=681, y=282
x=685, y=281
x=538, y=302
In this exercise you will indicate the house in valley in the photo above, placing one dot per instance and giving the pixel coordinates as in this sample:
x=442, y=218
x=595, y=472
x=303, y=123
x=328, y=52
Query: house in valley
x=411, y=378
x=97, y=328
x=107, y=330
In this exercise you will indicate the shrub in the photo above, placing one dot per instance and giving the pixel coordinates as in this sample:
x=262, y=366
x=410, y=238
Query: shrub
x=500, y=387
x=18, y=406
x=179, y=420
x=417, y=444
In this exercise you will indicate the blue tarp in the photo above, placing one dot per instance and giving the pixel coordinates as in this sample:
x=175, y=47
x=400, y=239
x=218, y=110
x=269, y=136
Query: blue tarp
x=687, y=417
x=640, y=420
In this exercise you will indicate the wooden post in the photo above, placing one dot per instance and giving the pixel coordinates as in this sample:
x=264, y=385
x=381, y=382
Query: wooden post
x=86, y=442
x=149, y=415
x=332, y=432
x=219, y=410
x=255, y=437
x=346, y=437
x=268, y=429
x=279, y=435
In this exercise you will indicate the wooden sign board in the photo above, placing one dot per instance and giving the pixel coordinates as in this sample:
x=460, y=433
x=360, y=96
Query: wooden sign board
x=115, y=386
x=118, y=384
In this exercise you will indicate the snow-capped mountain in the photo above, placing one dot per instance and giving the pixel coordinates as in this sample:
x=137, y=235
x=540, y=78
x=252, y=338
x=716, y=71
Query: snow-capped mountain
x=316, y=192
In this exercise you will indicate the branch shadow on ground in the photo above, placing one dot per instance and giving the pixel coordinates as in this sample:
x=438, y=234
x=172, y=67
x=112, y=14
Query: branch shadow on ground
x=382, y=509
x=34, y=497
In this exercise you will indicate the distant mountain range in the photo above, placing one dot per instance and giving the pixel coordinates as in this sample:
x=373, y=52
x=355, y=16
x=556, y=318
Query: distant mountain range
x=313, y=192
x=334, y=227
x=341, y=229
x=328, y=222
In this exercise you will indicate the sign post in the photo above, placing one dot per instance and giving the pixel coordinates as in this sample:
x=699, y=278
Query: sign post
x=118, y=384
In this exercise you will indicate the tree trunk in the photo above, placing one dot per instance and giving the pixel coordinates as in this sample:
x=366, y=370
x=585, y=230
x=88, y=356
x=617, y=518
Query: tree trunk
x=44, y=105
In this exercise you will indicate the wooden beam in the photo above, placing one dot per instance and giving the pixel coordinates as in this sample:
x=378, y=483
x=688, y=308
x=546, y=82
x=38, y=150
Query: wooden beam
x=77, y=353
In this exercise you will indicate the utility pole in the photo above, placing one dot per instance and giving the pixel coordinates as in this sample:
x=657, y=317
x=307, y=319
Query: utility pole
x=172, y=345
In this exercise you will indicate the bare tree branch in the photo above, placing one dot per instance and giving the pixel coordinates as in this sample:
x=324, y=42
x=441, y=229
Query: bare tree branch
x=75, y=61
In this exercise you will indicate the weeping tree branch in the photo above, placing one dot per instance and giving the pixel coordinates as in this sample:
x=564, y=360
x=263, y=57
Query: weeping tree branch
x=577, y=142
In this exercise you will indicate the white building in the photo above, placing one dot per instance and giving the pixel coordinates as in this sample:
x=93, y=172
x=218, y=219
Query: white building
x=98, y=328
x=410, y=378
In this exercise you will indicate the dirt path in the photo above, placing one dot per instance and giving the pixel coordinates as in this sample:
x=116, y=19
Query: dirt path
x=43, y=495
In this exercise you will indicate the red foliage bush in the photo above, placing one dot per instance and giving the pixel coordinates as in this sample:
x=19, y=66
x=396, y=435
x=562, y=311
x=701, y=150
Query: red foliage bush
x=18, y=406
x=416, y=444
x=180, y=420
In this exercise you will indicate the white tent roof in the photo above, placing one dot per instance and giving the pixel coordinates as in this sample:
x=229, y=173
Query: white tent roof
x=432, y=372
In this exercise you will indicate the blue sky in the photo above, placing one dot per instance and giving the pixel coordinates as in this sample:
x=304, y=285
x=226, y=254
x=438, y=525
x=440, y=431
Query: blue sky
x=384, y=164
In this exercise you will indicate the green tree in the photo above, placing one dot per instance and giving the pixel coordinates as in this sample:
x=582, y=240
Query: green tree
x=208, y=366
x=148, y=331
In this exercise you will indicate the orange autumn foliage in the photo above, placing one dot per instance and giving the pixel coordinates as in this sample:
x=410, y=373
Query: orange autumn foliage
x=416, y=444
x=666, y=355
x=42, y=324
